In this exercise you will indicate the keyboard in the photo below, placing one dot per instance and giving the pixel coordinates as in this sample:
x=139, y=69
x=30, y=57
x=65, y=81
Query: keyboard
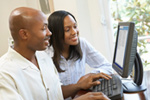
x=112, y=88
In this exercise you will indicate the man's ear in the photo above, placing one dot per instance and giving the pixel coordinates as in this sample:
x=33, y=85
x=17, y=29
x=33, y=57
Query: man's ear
x=23, y=33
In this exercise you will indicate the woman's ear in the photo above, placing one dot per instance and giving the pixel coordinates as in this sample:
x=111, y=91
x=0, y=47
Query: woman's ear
x=23, y=34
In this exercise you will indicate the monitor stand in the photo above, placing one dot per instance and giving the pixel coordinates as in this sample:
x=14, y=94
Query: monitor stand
x=136, y=85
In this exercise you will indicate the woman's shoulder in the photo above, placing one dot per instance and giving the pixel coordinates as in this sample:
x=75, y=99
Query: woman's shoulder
x=83, y=42
x=82, y=39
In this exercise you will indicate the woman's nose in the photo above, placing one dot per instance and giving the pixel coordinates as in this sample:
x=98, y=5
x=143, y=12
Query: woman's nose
x=74, y=31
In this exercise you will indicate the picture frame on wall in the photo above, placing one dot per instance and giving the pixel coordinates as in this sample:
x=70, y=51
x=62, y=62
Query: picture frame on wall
x=46, y=6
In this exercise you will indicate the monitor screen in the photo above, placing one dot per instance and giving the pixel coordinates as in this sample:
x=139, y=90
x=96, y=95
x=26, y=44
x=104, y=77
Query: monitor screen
x=125, y=49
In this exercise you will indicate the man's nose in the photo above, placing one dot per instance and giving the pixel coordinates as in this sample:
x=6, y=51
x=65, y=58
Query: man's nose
x=49, y=33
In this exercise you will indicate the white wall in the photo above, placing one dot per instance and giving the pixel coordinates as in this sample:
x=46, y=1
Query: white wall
x=93, y=18
x=6, y=6
x=94, y=22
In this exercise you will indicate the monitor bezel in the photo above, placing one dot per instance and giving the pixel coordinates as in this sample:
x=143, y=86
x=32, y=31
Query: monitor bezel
x=124, y=72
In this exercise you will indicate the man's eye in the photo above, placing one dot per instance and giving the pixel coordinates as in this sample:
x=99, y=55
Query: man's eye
x=43, y=29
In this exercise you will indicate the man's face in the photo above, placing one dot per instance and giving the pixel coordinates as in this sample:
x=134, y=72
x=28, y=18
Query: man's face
x=39, y=33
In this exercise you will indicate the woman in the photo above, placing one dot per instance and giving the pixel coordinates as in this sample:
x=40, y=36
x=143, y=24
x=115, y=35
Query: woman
x=71, y=53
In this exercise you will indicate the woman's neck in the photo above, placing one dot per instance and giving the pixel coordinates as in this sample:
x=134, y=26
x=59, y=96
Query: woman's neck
x=65, y=52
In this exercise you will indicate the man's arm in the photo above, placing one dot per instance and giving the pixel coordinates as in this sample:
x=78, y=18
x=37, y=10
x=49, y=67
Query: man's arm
x=7, y=89
x=85, y=82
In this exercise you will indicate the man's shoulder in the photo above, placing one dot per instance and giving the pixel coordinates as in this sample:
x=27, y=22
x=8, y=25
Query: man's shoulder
x=7, y=66
x=4, y=60
x=11, y=63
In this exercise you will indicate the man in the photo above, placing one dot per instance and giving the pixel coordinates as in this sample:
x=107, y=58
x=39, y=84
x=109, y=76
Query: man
x=27, y=73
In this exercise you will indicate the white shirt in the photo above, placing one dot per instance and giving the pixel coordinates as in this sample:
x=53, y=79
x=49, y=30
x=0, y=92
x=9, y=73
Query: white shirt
x=76, y=69
x=22, y=80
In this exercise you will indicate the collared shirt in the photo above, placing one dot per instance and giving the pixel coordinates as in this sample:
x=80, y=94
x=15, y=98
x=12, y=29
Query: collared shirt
x=74, y=69
x=22, y=80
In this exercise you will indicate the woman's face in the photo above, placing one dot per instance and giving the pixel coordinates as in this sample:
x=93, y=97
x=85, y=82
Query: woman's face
x=71, y=31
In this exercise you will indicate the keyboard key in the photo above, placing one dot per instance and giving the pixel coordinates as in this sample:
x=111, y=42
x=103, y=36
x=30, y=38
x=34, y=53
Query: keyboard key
x=112, y=87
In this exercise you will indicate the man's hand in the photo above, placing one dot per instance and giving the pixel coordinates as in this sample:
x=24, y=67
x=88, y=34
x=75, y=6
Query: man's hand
x=89, y=80
x=93, y=96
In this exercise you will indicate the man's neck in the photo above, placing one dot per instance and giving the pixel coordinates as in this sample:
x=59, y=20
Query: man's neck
x=28, y=54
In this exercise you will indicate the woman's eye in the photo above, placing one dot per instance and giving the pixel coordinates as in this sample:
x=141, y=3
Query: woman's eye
x=67, y=30
x=75, y=26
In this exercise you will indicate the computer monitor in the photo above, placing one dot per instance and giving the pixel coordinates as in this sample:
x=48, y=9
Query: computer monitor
x=125, y=49
x=126, y=56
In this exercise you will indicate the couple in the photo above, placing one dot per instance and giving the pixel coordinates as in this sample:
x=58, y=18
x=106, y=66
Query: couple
x=27, y=73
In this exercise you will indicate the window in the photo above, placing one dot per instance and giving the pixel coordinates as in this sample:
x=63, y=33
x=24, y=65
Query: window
x=137, y=11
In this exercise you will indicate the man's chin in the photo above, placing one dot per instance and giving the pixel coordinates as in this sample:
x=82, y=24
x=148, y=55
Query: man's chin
x=44, y=48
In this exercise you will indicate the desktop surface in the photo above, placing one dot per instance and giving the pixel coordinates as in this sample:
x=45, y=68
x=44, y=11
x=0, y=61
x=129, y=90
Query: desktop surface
x=143, y=95
x=126, y=96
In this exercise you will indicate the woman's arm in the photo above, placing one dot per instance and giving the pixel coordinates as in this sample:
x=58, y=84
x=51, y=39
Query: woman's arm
x=85, y=82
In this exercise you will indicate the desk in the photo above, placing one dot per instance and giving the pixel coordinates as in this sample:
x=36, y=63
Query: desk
x=126, y=96
x=133, y=96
